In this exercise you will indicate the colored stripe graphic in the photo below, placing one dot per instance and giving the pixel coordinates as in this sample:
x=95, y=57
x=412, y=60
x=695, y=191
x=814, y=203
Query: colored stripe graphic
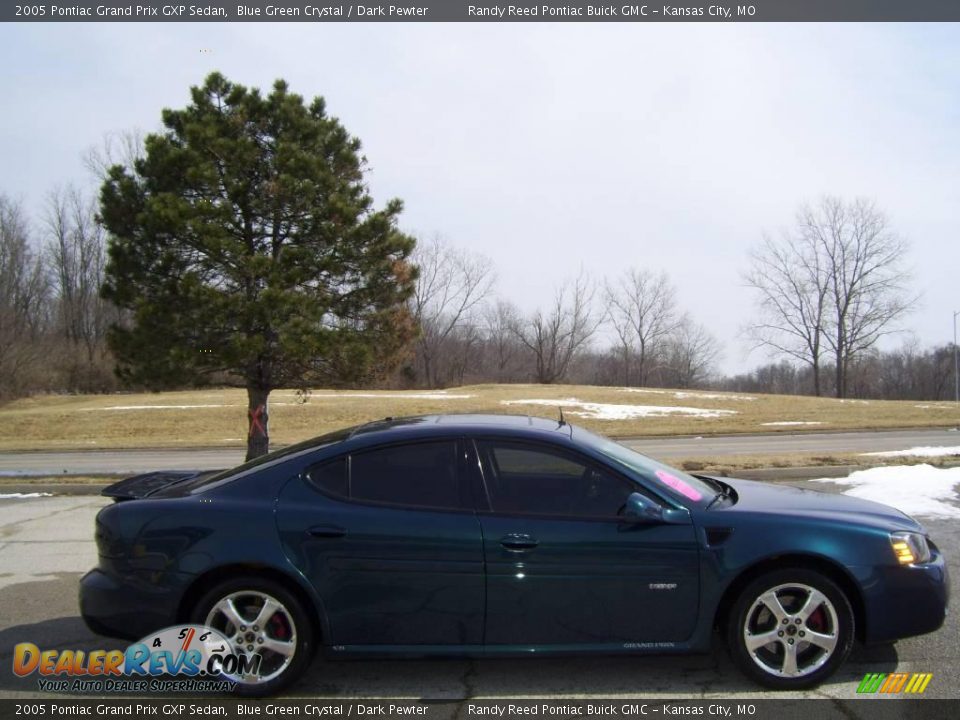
x=894, y=683
x=913, y=683
x=871, y=682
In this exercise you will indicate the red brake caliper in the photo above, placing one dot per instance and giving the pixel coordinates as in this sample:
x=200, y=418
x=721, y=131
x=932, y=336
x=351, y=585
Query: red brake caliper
x=279, y=628
x=817, y=620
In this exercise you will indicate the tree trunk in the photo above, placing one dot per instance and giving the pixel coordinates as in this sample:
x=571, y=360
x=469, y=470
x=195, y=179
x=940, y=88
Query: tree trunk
x=816, y=378
x=258, y=437
x=840, y=377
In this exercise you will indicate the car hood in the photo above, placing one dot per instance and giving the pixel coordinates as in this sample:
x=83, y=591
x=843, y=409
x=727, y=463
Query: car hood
x=777, y=499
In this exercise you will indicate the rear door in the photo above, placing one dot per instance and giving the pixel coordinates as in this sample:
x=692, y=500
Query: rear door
x=389, y=538
x=563, y=568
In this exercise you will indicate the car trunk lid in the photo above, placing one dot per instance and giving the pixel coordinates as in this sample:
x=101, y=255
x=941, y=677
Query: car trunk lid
x=146, y=484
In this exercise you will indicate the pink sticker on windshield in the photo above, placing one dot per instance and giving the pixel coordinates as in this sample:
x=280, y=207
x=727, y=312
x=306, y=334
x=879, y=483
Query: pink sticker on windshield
x=679, y=485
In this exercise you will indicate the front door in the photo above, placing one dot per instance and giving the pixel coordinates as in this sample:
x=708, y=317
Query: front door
x=563, y=566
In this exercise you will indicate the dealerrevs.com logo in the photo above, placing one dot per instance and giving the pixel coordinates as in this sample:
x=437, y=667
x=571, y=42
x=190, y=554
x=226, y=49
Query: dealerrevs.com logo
x=182, y=658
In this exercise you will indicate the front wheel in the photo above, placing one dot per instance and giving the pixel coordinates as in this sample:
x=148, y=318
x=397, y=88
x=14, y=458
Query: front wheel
x=266, y=625
x=790, y=629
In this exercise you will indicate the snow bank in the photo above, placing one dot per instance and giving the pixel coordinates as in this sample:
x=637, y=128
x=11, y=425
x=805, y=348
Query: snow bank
x=18, y=496
x=923, y=451
x=919, y=490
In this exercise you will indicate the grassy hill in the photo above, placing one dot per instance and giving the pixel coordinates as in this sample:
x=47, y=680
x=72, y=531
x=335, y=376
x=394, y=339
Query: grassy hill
x=218, y=417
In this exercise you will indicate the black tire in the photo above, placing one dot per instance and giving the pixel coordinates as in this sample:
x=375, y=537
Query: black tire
x=789, y=608
x=288, y=627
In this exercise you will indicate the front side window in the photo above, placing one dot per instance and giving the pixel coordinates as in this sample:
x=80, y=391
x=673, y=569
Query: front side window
x=533, y=480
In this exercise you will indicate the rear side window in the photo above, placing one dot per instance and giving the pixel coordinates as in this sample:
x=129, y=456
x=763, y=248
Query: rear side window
x=330, y=476
x=420, y=475
x=417, y=475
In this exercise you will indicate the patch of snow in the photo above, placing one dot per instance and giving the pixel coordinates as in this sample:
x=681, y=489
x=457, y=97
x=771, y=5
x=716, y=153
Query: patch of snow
x=853, y=402
x=933, y=407
x=712, y=396
x=160, y=407
x=923, y=451
x=919, y=490
x=605, y=411
x=397, y=396
x=794, y=422
x=683, y=395
x=10, y=496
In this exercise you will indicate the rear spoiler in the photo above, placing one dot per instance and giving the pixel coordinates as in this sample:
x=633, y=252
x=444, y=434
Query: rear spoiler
x=141, y=486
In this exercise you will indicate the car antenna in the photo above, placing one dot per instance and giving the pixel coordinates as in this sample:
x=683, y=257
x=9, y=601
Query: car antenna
x=562, y=421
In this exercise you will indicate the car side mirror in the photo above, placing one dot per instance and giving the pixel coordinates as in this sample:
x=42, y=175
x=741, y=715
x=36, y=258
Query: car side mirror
x=642, y=509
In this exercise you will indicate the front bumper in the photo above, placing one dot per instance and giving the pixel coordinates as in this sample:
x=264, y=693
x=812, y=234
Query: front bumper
x=125, y=608
x=901, y=602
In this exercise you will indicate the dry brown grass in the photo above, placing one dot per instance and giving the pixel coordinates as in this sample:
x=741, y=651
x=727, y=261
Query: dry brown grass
x=135, y=420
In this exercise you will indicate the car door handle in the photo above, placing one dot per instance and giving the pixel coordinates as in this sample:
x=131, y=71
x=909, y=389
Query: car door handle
x=518, y=542
x=326, y=531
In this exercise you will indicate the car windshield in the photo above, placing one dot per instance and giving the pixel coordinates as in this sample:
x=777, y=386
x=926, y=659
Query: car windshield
x=673, y=481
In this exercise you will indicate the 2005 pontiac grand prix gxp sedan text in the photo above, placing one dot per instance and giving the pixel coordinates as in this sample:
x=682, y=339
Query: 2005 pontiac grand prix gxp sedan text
x=498, y=535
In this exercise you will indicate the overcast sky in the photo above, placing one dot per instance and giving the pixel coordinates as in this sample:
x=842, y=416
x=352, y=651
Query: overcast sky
x=548, y=146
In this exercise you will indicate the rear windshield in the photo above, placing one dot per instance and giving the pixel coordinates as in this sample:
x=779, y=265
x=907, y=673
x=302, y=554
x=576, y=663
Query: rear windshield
x=210, y=480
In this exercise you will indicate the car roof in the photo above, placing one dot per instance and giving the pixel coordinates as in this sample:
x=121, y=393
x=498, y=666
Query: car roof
x=399, y=428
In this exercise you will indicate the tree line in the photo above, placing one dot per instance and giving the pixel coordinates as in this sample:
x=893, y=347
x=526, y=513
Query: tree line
x=239, y=245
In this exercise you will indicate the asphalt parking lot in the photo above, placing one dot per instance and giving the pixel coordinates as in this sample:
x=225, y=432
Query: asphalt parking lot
x=46, y=544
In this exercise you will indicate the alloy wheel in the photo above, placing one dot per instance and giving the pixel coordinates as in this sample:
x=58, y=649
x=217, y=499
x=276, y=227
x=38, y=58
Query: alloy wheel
x=256, y=624
x=791, y=630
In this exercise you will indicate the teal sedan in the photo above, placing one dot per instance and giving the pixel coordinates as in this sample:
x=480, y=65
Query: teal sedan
x=490, y=535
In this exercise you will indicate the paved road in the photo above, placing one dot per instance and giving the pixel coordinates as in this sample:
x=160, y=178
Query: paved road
x=46, y=543
x=131, y=461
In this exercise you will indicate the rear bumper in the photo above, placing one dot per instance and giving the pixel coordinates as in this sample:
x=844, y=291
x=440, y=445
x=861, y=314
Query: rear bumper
x=902, y=602
x=125, y=608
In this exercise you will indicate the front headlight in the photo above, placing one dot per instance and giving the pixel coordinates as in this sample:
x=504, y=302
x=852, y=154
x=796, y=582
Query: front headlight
x=910, y=548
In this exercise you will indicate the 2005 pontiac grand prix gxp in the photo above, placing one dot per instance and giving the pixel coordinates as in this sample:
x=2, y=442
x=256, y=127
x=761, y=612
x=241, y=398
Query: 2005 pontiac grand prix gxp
x=499, y=535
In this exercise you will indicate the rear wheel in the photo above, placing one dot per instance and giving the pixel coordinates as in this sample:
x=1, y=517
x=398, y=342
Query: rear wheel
x=266, y=625
x=790, y=629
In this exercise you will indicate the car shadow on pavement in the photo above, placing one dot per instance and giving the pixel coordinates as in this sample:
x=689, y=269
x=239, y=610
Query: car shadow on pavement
x=667, y=676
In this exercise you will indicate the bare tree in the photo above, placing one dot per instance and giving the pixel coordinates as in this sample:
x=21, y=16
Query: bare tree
x=837, y=283
x=116, y=148
x=642, y=308
x=864, y=260
x=77, y=257
x=24, y=293
x=692, y=351
x=555, y=338
x=792, y=286
x=500, y=334
x=449, y=291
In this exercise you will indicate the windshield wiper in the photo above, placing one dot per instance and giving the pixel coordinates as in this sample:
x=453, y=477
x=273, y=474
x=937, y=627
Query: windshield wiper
x=724, y=494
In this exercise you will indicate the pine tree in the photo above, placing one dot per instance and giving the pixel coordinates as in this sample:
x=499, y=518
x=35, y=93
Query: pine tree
x=244, y=245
